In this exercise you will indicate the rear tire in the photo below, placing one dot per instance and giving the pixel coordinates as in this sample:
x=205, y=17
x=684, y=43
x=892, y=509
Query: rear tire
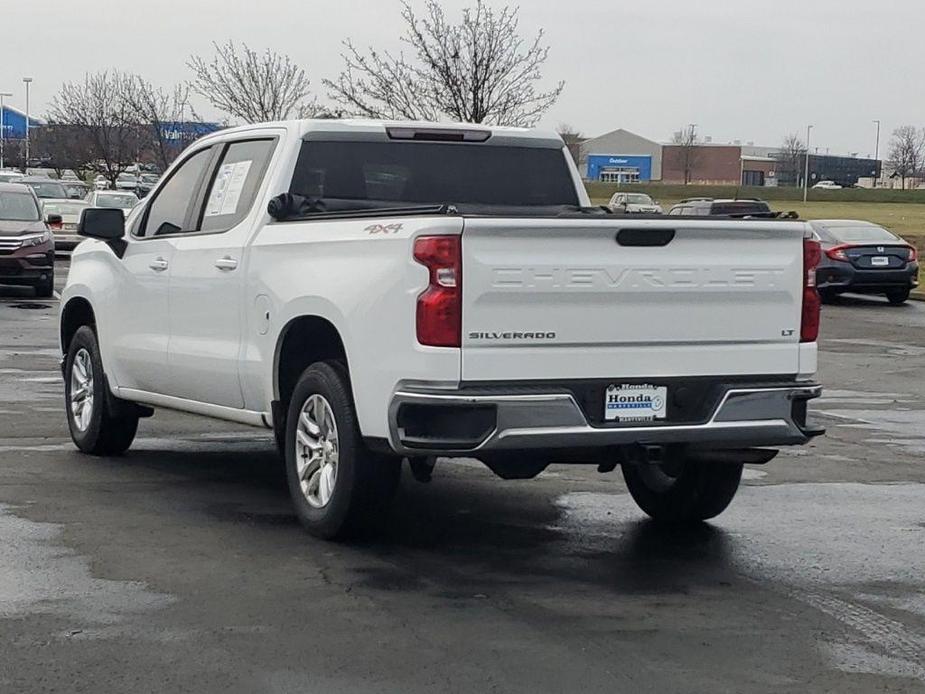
x=339, y=488
x=689, y=493
x=898, y=296
x=827, y=296
x=94, y=428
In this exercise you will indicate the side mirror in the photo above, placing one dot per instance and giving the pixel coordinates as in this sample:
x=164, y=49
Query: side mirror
x=54, y=220
x=106, y=224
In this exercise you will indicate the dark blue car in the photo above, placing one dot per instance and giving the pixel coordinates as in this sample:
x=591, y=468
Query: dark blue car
x=864, y=258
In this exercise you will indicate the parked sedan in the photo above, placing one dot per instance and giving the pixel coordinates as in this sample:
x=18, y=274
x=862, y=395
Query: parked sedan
x=634, y=203
x=62, y=217
x=865, y=258
x=27, y=247
x=119, y=199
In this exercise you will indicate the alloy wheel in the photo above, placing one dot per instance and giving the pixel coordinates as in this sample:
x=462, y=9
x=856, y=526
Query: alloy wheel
x=82, y=389
x=317, y=451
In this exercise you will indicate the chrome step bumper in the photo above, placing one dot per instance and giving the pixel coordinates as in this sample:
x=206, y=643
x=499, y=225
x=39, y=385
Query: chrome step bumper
x=745, y=417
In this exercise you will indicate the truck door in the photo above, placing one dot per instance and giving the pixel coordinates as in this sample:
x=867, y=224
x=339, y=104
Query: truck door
x=139, y=334
x=207, y=292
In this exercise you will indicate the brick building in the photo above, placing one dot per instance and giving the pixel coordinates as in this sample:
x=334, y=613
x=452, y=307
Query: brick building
x=718, y=165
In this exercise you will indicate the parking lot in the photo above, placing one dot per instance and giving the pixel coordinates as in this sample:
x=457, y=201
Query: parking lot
x=181, y=567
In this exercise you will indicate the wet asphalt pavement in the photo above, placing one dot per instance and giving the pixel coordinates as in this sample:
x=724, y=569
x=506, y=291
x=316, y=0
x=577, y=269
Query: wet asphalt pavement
x=179, y=567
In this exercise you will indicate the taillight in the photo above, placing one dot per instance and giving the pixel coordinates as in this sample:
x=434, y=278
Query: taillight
x=913, y=254
x=809, y=323
x=439, y=310
x=838, y=253
x=55, y=225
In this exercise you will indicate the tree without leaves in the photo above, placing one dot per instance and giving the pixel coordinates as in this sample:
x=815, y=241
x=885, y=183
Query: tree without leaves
x=791, y=157
x=64, y=147
x=160, y=111
x=478, y=71
x=906, y=150
x=255, y=87
x=572, y=139
x=96, y=109
x=686, y=153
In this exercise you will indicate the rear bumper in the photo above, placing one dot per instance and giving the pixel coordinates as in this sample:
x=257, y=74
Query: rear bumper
x=426, y=421
x=845, y=277
x=67, y=240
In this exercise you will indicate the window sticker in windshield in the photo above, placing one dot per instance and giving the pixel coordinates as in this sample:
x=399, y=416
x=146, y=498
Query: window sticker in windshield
x=226, y=192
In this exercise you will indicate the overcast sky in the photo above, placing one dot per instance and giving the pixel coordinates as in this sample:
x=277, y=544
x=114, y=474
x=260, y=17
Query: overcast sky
x=751, y=70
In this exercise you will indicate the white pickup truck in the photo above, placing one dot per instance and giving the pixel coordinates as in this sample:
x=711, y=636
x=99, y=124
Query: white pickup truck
x=376, y=291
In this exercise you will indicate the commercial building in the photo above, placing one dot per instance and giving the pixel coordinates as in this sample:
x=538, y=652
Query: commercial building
x=715, y=164
x=620, y=157
x=14, y=123
x=845, y=171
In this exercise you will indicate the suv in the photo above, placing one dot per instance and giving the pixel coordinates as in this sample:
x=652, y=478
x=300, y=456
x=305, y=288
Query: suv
x=634, y=203
x=374, y=291
x=736, y=208
x=27, y=247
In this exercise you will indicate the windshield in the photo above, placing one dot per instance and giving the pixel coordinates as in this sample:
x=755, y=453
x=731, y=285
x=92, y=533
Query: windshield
x=48, y=189
x=849, y=234
x=123, y=201
x=65, y=209
x=7, y=178
x=18, y=207
x=638, y=199
x=397, y=173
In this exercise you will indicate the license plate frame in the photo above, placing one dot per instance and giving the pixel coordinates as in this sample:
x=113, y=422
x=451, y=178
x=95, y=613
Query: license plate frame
x=635, y=402
x=880, y=261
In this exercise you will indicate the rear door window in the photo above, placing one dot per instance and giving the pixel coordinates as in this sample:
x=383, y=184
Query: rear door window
x=234, y=184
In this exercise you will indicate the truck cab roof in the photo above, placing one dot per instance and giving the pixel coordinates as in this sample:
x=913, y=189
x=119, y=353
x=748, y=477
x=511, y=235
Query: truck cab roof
x=372, y=129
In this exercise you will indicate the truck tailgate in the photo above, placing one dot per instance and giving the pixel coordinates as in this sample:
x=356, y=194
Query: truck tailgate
x=563, y=299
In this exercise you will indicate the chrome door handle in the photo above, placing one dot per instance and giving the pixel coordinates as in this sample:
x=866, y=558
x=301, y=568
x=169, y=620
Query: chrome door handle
x=226, y=263
x=158, y=265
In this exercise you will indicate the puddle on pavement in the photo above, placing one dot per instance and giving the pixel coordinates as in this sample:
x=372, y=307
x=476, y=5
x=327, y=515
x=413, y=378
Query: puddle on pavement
x=905, y=428
x=897, y=349
x=38, y=575
x=30, y=306
x=843, y=549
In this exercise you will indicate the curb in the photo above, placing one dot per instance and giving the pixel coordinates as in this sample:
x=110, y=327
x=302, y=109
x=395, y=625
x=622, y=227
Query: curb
x=917, y=296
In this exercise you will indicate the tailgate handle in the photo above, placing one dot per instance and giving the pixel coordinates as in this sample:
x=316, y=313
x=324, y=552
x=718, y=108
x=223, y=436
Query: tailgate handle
x=645, y=237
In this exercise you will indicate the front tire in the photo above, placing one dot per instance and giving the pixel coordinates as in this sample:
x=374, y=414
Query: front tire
x=46, y=288
x=898, y=296
x=338, y=486
x=682, y=492
x=94, y=428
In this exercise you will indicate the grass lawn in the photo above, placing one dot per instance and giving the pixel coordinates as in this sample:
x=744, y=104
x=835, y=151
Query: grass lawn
x=906, y=219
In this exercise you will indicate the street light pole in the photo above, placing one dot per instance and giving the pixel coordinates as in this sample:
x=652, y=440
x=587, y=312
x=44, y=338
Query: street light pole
x=876, y=152
x=2, y=126
x=806, y=167
x=27, y=81
x=689, y=141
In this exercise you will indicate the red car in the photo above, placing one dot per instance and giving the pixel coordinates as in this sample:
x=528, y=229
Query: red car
x=27, y=247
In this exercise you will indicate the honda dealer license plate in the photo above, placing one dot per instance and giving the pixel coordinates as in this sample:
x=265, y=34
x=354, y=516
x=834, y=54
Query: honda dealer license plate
x=879, y=260
x=635, y=403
